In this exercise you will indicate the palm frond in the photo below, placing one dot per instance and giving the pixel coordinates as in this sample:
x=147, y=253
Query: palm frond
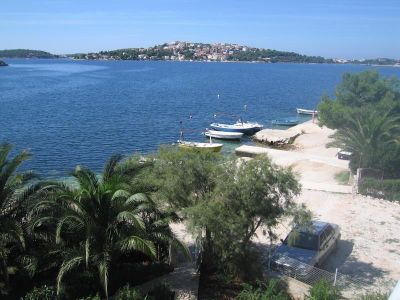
x=103, y=268
x=131, y=218
x=109, y=169
x=135, y=243
x=66, y=267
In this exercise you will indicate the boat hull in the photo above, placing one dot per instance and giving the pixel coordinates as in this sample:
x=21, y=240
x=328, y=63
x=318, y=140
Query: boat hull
x=244, y=128
x=302, y=111
x=213, y=147
x=285, y=123
x=224, y=135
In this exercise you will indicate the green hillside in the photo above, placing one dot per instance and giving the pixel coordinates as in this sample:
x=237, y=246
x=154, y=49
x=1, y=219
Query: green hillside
x=26, y=53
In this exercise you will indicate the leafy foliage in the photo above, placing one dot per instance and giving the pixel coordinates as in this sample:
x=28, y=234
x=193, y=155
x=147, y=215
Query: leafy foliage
x=128, y=293
x=41, y=293
x=366, y=114
x=15, y=189
x=388, y=188
x=274, y=289
x=374, y=296
x=226, y=202
x=323, y=290
x=99, y=222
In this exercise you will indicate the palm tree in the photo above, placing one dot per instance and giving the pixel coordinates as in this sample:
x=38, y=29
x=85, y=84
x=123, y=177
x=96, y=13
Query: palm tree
x=14, y=190
x=368, y=136
x=98, y=220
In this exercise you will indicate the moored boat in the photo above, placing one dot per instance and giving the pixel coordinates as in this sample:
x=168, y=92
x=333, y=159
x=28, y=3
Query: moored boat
x=285, y=122
x=224, y=135
x=303, y=111
x=243, y=127
x=215, y=147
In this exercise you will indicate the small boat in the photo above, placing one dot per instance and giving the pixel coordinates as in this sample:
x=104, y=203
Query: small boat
x=215, y=147
x=303, y=111
x=285, y=122
x=224, y=135
x=243, y=127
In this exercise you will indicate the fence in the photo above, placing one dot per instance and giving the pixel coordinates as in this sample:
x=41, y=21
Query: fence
x=310, y=275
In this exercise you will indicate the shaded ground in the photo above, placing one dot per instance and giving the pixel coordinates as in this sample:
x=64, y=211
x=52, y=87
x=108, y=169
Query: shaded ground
x=214, y=287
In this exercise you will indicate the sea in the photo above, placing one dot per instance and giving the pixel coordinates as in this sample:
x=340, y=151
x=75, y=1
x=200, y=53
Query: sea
x=69, y=112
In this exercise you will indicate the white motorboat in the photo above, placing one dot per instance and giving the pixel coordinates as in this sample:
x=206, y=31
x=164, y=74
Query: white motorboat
x=243, y=127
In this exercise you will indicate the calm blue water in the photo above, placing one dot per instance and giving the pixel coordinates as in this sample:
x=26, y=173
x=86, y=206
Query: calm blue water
x=82, y=112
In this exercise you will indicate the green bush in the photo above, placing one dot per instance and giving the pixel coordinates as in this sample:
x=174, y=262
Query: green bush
x=343, y=177
x=323, y=290
x=41, y=293
x=161, y=291
x=128, y=293
x=388, y=188
x=95, y=297
x=374, y=296
x=274, y=289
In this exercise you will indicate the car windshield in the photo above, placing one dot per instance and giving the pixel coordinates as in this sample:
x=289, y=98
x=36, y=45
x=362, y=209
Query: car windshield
x=304, y=240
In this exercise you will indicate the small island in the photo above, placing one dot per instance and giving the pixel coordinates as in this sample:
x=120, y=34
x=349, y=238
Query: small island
x=3, y=64
x=26, y=53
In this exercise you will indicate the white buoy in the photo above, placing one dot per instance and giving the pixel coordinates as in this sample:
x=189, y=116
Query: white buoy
x=218, y=96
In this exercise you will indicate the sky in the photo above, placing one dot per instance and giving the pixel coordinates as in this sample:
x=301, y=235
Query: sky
x=330, y=28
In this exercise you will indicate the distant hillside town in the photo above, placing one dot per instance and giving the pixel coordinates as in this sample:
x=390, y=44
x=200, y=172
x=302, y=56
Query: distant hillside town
x=188, y=51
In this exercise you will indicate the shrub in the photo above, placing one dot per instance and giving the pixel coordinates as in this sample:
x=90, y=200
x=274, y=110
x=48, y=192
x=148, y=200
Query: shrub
x=323, y=290
x=374, y=296
x=161, y=291
x=95, y=297
x=388, y=188
x=41, y=293
x=343, y=177
x=274, y=289
x=128, y=293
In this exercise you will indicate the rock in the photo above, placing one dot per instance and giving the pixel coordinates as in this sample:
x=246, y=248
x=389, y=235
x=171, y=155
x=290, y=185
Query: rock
x=275, y=137
x=3, y=64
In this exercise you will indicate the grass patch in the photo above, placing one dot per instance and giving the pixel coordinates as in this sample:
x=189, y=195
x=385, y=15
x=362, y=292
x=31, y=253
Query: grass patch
x=343, y=177
x=392, y=241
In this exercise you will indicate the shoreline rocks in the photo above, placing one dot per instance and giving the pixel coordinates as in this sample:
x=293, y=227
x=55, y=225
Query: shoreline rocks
x=275, y=137
x=3, y=64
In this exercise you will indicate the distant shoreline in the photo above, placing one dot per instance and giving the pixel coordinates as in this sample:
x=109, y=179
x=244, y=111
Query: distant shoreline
x=198, y=61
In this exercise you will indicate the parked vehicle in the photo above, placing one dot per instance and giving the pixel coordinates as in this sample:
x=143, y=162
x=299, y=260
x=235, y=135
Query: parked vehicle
x=305, y=248
x=345, y=155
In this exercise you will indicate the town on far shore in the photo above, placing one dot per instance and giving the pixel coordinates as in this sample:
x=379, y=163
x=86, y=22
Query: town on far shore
x=189, y=51
x=223, y=52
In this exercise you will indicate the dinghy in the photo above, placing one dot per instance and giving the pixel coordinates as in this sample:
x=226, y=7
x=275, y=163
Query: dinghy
x=215, y=147
x=303, y=111
x=285, y=122
x=224, y=135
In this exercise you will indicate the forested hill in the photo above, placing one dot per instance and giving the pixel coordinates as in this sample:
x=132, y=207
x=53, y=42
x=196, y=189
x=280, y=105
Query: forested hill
x=26, y=53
